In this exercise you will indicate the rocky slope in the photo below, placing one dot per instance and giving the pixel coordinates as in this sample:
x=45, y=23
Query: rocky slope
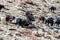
x=41, y=7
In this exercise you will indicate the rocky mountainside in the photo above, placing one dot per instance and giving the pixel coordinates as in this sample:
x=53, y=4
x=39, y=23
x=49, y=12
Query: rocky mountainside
x=18, y=9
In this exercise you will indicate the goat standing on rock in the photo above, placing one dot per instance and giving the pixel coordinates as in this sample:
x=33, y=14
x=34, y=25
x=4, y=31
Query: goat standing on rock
x=52, y=8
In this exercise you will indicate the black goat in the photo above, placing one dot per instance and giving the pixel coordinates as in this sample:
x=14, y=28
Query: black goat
x=3, y=7
x=57, y=21
x=52, y=8
x=50, y=21
x=30, y=16
x=23, y=22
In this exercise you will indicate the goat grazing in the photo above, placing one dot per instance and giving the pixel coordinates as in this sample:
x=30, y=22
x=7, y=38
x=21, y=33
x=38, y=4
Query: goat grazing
x=23, y=22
